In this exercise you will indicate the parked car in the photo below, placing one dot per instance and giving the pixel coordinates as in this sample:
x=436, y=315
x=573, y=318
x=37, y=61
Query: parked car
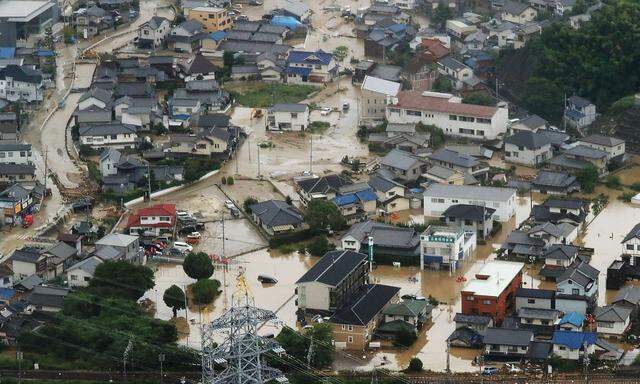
x=488, y=371
x=182, y=246
x=235, y=212
x=194, y=235
x=326, y=111
x=265, y=279
x=182, y=215
x=229, y=204
x=512, y=368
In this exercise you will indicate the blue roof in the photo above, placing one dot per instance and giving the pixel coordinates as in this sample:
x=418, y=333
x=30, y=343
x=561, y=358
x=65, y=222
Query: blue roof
x=397, y=28
x=367, y=195
x=7, y=52
x=45, y=53
x=317, y=57
x=574, y=340
x=300, y=71
x=573, y=114
x=573, y=318
x=345, y=199
x=218, y=35
x=286, y=21
x=6, y=293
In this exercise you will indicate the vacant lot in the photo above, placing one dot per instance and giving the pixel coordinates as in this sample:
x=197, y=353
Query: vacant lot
x=262, y=95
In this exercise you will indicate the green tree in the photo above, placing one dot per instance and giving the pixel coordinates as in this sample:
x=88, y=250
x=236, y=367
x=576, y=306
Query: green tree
x=319, y=246
x=415, y=365
x=441, y=14
x=174, y=298
x=121, y=279
x=437, y=136
x=297, y=344
x=544, y=98
x=341, y=52
x=406, y=337
x=230, y=180
x=248, y=202
x=322, y=215
x=442, y=84
x=588, y=178
x=478, y=99
x=205, y=291
x=198, y=266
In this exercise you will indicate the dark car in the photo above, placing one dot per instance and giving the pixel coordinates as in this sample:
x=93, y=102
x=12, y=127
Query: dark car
x=265, y=279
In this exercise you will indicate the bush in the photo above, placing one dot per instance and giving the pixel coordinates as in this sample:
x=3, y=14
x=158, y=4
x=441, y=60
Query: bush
x=635, y=186
x=85, y=150
x=627, y=196
x=248, y=202
x=205, y=291
x=230, y=180
x=198, y=266
x=405, y=338
x=294, y=237
x=613, y=182
x=224, y=180
x=319, y=246
x=415, y=365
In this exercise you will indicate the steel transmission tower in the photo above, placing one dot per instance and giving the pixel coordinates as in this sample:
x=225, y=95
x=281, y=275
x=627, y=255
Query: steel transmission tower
x=239, y=358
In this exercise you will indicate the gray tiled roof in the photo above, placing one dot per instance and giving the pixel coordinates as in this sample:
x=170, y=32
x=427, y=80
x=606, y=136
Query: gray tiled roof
x=88, y=265
x=453, y=157
x=584, y=151
x=554, y=179
x=470, y=192
x=628, y=294
x=107, y=129
x=561, y=252
x=400, y=159
x=528, y=139
x=290, y=107
x=513, y=337
x=385, y=235
x=468, y=212
x=383, y=184
x=275, y=212
x=606, y=141
x=582, y=274
x=365, y=305
x=538, y=313
x=612, y=313
x=514, y=8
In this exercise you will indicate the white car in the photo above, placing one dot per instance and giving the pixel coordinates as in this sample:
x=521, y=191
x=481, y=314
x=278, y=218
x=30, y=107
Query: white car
x=182, y=214
x=229, y=204
x=325, y=111
x=512, y=368
x=182, y=247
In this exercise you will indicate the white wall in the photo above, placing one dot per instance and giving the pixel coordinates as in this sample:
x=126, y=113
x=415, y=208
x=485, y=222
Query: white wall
x=616, y=328
x=77, y=278
x=524, y=302
x=313, y=295
x=22, y=269
x=527, y=156
x=122, y=140
x=504, y=209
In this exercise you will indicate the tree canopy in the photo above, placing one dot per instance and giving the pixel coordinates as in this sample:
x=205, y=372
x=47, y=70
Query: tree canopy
x=297, y=344
x=174, y=298
x=322, y=214
x=198, y=266
x=122, y=279
x=588, y=178
x=205, y=291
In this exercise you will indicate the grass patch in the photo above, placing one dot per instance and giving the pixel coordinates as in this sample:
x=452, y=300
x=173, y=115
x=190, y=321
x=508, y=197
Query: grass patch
x=318, y=126
x=262, y=95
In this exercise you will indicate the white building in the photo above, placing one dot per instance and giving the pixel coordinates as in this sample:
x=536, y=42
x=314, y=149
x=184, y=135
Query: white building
x=448, y=113
x=528, y=148
x=580, y=112
x=631, y=245
x=456, y=70
x=152, y=33
x=15, y=153
x=445, y=246
x=288, y=117
x=439, y=197
x=118, y=136
x=310, y=67
x=375, y=93
x=612, y=320
x=79, y=274
x=20, y=83
x=614, y=147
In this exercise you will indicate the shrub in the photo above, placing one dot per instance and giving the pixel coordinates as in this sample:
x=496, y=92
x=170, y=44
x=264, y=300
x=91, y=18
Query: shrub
x=613, y=182
x=224, y=180
x=415, y=365
x=635, y=186
x=319, y=246
x=248, y=202
x=198, y=266
x=405, y=338
x=205, y=291
x=230, y=180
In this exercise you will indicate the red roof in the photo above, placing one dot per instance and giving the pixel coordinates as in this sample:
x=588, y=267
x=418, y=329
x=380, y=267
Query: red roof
x=435, y=48
x=415, y=100
x=156, y=210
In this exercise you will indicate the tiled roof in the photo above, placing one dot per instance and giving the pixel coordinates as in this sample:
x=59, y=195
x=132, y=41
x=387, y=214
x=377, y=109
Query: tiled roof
x=334, y=267
x=273, y=213
x=573, y=340
x=416, y=100
x=365, y=305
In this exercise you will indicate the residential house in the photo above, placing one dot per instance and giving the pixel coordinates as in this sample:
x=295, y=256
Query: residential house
x=143, y=109
x=579, y=112
x=21, y=83
x=186, y=36
x=355, y=322
x=627, y=297
x=310, y=67
x=478, y=323
x=521, y=245
x=447, y=112
x=472, y=218
x=535, y=298
x=357, y=205
x=113, y=135
x=15, y=153
x=528, y=148
x=541, y=321
x=296, y=9
x=571, y=345
x=555, y=183
x=183, y=109
x=384, y=37
x=612, y=320
x=388, y=241
x=152, y=33
x=439, y=197
x=79, y=274
x=563, y=233
x=47, y=298
x=323, y=187
x=288, y=117
x=386, y=188
x=404, y=166
x=93, y=21
x=492, y=290
x=198, y=67
x=455, y=70
x=631, y=246
x=277, y=217
x=153, y=221
x=413, y=312
x=445, y=246
x=614, y=147
x=557, y=258
x=578, y=158
x=332, y=282
x=507, y=343
x=124, y=247
x=59, y=257
x=375, y=93
x=9, y=126
x=245, y=72
x=443, y=175
x=580, y=279
x=572, y=321
x=212, y=18
x=531, y=123
x=94, y=107
x=572, y=211
x=16, y=201
x=28, y=261
x=458, y=29
x=568, y=303
x=460, y=162
x=22, y=173
x=518, y=13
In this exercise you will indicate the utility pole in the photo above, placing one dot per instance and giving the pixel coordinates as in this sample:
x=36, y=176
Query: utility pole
x=161, y=357
x=258, y=160
x=125, y=356
x=19, y=357
x=46, y=168
x=370, y=253
x=149, y=180
x=311, y=154
x=310, y=351
x=224, y=267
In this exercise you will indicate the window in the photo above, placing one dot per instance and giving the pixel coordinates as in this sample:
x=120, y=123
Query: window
x=468, y=222
x=350, y=328
x=575, y=291
x=455, y=201
x=479, y=133
x=453, y=117
x=605, y=325
x=435, y=200
x=294, y=115
x=512, y=349
x=465, y=131
x=483, y=121
x=629, y=246
x=114, y=137
x=487, y=302
x=413, y=113
x=74, y=277
x=531, y=301
x=344, y=327
x=469, y=298
x=349, y=339
x=562, y=348
x=528, y=321
x=394, y=110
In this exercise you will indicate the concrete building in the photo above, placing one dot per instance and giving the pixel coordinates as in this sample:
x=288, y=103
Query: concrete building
x=404, y=166
x=152, y=33
x=528, y=148
x=615, y=148
x=21, y=83
x=79, y=274
x=447, y=112
x=288, y=117
x=21, y=19
x=492, y=290
x=507, y=343
x=446, y=246
x=120, y=247
x=388, y=240
x=15, y=153
x=612, y=320
x=439, y=197
x=375, y=93
x=631, y=246
x=212, y=18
